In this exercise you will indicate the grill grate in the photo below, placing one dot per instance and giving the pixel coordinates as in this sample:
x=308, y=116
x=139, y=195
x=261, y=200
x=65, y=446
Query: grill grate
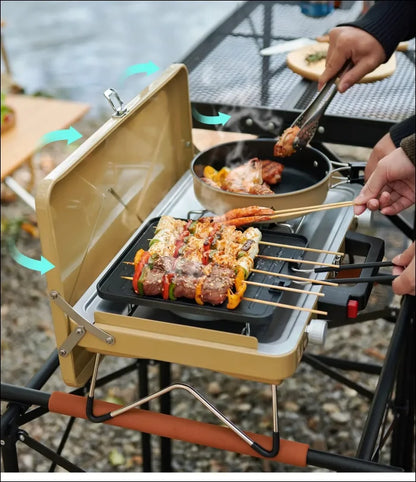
x=234, y=73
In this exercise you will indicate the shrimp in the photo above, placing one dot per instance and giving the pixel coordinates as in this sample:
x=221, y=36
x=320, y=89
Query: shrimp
x=246, y=220
x=284, y=145
x=242, y=213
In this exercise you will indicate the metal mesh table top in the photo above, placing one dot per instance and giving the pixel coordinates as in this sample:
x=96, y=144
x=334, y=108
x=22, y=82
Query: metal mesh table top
x=231, y=71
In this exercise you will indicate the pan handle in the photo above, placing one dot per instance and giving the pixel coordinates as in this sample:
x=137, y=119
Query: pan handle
x=351, y=172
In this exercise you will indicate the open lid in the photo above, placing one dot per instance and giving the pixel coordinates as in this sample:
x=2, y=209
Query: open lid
x=91, y=204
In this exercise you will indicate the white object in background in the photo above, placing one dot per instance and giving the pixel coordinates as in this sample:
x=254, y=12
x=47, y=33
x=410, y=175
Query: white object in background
x=287, y=46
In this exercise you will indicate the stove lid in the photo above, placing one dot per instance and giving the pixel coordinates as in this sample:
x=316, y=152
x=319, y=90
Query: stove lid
x=94, y=200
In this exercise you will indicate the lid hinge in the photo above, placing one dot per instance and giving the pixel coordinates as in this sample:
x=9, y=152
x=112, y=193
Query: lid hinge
x=84, y=326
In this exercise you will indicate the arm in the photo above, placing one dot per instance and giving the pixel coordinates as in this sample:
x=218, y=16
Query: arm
x=389, y=142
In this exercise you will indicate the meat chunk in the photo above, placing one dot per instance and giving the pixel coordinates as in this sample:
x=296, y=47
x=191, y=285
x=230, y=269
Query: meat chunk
x=217, y=284
x=271, y=171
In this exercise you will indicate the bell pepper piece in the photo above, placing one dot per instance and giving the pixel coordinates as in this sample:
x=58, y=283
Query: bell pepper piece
x=198, y=292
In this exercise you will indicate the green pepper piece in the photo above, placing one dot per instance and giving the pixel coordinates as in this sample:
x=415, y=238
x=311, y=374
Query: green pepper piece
x=172, y=287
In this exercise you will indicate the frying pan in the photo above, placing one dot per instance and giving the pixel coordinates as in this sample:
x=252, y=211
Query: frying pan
x=305, y=178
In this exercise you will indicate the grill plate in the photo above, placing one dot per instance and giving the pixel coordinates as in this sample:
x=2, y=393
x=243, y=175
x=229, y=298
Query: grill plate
x=114, y=288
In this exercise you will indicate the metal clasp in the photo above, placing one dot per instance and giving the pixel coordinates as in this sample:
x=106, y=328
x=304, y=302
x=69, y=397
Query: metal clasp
x=118, y=107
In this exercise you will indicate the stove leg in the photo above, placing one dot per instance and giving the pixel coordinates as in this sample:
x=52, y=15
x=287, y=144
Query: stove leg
x=403, y=439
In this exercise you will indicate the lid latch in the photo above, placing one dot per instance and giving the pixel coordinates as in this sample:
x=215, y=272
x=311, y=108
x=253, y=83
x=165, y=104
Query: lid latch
x=118, y=107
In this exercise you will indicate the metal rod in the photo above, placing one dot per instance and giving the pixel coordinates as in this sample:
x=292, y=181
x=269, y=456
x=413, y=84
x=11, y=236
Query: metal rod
x=146, y=437
x=385, y=382
x=63, y=442
x=340, y=463
x=349, y=365
x=21, y=192
x=165, y=407
x=25, y=395
x=403, y=438
x=47, y=452
x=311, y=360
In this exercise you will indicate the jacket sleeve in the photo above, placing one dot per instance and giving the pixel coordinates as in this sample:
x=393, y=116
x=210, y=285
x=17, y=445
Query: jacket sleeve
x=408, y=145
x=389, y=22
x=402, y=129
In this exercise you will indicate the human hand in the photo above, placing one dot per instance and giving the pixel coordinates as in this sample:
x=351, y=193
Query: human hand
x=383, y=147
x=390, y=188
x=352, y=43
x=404, y=284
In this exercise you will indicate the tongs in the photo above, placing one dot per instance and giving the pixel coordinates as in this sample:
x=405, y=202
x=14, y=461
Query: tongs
x=308, y=120
x=379, y=277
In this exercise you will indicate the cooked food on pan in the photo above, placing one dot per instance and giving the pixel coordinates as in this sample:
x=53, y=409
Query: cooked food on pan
x=201, y=260
x=284, y=145
x=252, y=177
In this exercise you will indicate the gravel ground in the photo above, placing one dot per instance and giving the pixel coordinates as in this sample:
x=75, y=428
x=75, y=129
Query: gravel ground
x=313, y=408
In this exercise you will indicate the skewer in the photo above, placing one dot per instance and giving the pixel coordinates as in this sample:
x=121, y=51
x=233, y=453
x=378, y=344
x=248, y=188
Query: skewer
x=276, y=258
x=284, y=288
x=283, y=305
x=297, y=278
x=313, y=250
x=300, y=261
x=317, y=207
x=265, y=285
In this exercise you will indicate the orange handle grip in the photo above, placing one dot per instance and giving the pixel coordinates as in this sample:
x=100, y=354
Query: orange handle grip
x=163, y=425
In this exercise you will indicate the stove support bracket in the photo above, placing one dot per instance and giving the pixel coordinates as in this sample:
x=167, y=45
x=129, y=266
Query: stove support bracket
x=254, y=445
x=73, y=339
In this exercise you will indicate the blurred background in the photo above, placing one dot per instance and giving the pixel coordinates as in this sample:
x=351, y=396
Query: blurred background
x=76, y=50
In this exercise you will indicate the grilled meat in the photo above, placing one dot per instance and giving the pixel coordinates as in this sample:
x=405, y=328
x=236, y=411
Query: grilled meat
x=271, y=171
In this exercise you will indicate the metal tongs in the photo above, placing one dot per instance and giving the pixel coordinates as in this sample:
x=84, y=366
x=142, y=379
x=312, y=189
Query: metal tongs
x=308, y=120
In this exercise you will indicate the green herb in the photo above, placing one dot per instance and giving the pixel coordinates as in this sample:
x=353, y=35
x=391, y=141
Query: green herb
x=315, y=57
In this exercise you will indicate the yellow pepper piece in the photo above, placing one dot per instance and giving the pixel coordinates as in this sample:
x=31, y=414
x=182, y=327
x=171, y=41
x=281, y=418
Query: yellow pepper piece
x=138, y=257
x=198, y=293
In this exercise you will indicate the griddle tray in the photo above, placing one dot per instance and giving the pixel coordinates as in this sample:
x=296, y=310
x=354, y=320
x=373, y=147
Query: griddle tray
x=115, y=288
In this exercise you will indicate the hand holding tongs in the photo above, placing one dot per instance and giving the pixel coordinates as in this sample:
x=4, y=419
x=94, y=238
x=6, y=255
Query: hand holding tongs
x=308, y=120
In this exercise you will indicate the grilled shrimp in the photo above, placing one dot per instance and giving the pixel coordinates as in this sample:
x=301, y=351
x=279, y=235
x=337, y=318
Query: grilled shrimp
x=242, y=213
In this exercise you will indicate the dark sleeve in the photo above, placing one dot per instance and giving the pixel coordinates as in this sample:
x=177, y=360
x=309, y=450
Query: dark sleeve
x=389, y=22
x=402, y=129
x=408, y=145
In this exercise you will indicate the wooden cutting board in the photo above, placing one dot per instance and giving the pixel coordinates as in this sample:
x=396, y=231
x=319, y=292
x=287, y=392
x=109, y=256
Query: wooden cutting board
x=296, y=61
